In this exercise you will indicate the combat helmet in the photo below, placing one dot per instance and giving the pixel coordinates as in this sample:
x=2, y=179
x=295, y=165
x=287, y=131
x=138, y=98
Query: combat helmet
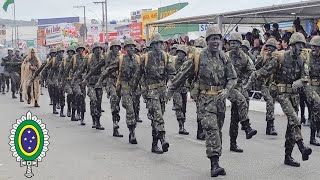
x=315, y=41
x=96, y=45
x=183, y=48
x=60, y=49
x=80, y=46
x=52, y=50
x=200, y=42
x=129, y=41
x=246, y=44
x=213, y=30
x=272, y=42
x=175, y=46
x=71, y=48
x=297, y=37
x=156, y=37
x=115, y=43
x=236, y=37
x=10, y=49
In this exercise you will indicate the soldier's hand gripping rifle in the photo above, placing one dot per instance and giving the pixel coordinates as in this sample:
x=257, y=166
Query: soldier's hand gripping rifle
x=36, y=74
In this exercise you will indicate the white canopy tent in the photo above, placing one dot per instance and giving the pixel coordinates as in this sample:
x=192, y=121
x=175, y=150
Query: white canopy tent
x=243, y=12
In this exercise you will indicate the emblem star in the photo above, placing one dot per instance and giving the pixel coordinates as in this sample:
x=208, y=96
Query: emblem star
x=29, y=132
x=25, y=139
x=29, y=148
x=30, y=141
x=33, y=137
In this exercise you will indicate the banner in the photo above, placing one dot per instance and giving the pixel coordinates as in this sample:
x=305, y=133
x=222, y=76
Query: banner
x=136, y=31
x=90, y=39
x=148, y=17
x=53, y=35
x=112, y=36
x=123, y=31
x=41, y=37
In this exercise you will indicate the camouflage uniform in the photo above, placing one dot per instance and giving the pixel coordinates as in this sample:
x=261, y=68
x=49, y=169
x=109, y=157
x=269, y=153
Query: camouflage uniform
x=53, y=67
x=214, y=77
x=180, y=95
x=128, y=67
x=156, y=73
x=270, y=101
x=65, y=79
x=138, y=91
x=94, y=92
x=290, y=73
x=238, y=96
x=6, y=62
x=313, y=92
x=46, y=74
x=246, y=49
x=78, y=89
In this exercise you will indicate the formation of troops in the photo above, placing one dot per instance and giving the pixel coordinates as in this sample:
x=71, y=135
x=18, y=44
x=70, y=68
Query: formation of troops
x=209, y=74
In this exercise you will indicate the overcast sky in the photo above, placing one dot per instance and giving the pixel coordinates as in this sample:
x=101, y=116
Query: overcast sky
x=117, y=9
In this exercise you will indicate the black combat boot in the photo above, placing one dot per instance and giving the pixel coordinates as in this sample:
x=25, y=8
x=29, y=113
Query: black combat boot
x=305, y=151
x=14, y=95
x=288, y=160
x=21, y=99
x=132, y=135
x=216, y=170
x=73, y=113
x=154, y=148
x=116, y=126
x=233, y=145
x=99, y=126
x=82, y=123
x=249, y=131
x=182, y=130
x=69, y=110
x=270, y=130
x=29, y=98
x=313, y=140
x=200, y=133
x=36, y=104
x=54, y=109
x=94, y=122
x=61, y=112
x=164, y=143
x=3, y=90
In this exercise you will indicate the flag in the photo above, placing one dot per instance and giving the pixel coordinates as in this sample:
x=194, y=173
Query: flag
x=6, y=4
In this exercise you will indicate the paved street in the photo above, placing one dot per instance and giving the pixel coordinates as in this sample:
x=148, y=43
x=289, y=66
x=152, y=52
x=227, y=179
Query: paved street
x=77, y=152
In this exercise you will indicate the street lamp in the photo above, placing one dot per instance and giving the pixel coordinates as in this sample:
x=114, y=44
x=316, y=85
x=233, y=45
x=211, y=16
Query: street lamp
x=85, y=23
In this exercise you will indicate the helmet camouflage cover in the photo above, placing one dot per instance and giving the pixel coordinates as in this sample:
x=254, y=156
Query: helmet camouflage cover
x=297, y=37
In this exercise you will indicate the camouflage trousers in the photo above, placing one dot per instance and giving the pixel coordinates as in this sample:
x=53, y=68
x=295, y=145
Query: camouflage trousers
x=290, y=106
x=78, y=98
x=180, y=105
x=270, y=102
x=303, y=102
x=95, y=95
x=2, y=81
x=127, y=100
x=70, y=97
x=239, y=110
x=313, y=98
x=55, y=92
x=51, y=91
x=136, y=105
x=15, y=81
x=156, y=108
x=114, y=102
x=212, y=113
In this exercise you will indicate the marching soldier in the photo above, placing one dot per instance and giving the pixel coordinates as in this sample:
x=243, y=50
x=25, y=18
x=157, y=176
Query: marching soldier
x=214, y=77
x=290, y=73
x=238, y=96
x=46, y=73
x=7, y=70
x=157, y=70
x=180, y=96
x=262, y=60
x=78, y=90
x=138, y=91
x=128, y=67
x=94, y=91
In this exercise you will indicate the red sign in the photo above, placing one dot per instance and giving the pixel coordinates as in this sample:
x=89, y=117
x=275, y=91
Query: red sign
x=111, y=36
x=136, y=31
x=90, y=39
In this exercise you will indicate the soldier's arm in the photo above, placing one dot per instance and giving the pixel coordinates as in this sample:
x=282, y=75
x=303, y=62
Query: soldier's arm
x=171, y=71
x=267, y=70
x=187, y=70
x=113, y=67
x=231, y=75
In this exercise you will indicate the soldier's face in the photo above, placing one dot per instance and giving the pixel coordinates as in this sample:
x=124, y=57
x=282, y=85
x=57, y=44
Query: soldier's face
x=298, y=47
x=315, y=50
x=17, y=53
x=213, y=42
x=80, y=51
x=97, y=51
x=53, y=54
x=130, y=49
x=60, y=53
x=234, y=45
x=115, y=49
x=10, y=53
x=181, y=55
x=270, y=49
x=157, y=46
x=70, y=53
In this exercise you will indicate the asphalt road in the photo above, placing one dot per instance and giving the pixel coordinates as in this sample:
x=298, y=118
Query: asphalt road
x=77, y=152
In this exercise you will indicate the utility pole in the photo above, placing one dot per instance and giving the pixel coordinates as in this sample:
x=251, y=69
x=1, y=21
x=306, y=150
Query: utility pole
x=104, y=23
x=106, y=8
x=85, y=21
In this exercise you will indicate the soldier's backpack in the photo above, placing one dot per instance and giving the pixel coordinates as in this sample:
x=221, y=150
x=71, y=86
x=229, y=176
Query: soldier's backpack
x=146, y=58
